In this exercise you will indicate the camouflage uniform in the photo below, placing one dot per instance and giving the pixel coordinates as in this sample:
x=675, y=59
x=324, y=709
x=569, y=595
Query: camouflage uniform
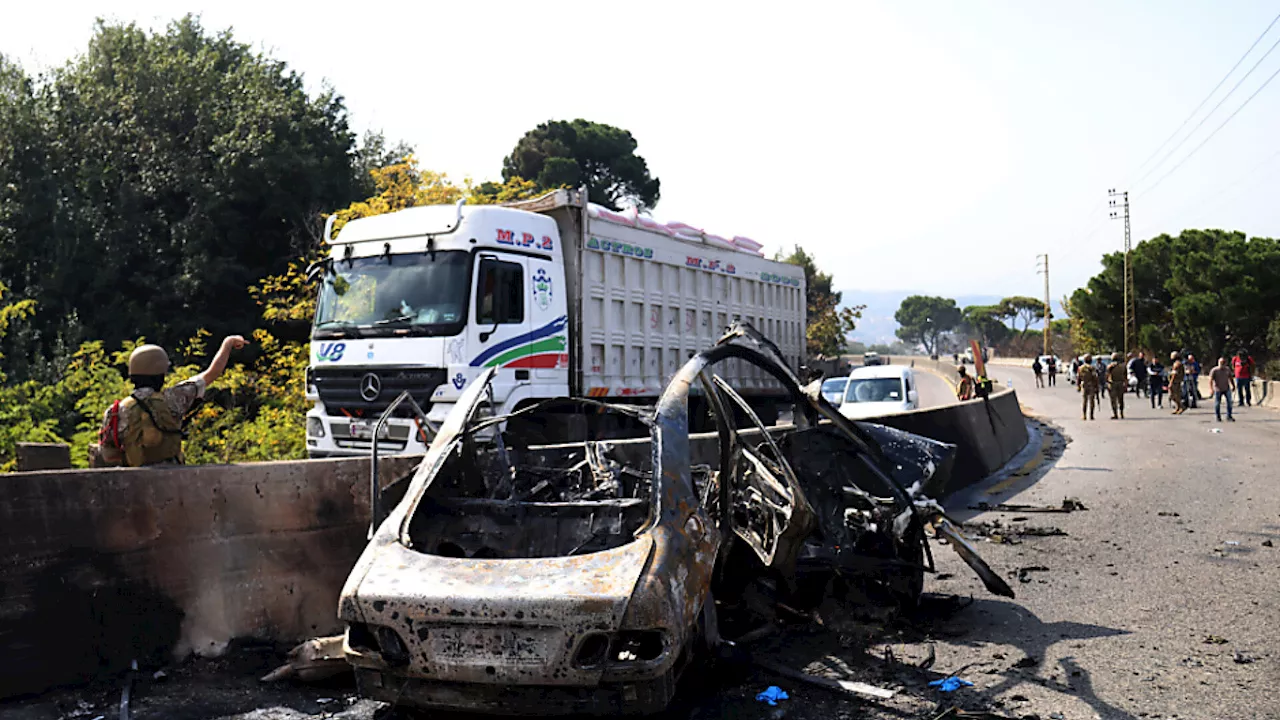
x=1118, y=379
x=1087, y=383
x=1176, y=375
x=146, y=427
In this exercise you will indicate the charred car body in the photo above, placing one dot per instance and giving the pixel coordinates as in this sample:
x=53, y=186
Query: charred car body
x=586, y=576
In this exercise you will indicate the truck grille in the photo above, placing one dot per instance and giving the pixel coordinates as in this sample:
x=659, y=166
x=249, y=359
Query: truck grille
x=341, y=389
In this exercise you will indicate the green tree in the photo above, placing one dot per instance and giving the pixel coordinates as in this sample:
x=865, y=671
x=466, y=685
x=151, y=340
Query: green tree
x=1204, y=290
x=601, y=157
x=1021, y=307
x=376, y=153
x=828, y=324
x=922, y=319
x=985, y=323
x=177, y=168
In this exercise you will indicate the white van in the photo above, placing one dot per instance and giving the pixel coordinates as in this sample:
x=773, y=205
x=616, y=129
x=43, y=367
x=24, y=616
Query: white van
x=880, y=390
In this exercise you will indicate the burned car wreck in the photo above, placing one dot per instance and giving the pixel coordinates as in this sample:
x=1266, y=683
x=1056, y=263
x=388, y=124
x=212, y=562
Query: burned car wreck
x=586, y=576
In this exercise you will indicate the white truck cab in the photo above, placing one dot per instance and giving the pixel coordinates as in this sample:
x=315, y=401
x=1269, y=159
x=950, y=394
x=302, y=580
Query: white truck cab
x=562, y=297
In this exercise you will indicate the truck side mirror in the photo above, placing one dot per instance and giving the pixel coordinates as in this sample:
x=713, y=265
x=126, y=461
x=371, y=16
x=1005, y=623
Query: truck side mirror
x=318, y=269
x=499, y=314
x=499, y=300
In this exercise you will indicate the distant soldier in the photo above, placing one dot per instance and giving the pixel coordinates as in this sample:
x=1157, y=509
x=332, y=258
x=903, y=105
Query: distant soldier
x=1177, y=374
x=1087, y=382
x=1118, y=379
x=965, y=388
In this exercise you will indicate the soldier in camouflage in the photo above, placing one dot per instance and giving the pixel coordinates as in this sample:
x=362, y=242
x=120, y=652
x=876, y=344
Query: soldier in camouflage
x=1087, y=383
x=1117, y=381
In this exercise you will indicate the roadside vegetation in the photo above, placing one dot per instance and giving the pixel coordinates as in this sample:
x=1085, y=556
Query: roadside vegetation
x=172, y=187
x=939, y=326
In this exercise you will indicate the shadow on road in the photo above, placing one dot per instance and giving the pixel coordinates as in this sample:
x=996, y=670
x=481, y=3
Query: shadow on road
x=896, y=656
x=1000, y=622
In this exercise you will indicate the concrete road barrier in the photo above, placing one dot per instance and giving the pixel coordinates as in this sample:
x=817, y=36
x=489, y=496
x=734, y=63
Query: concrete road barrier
x=986, y=433
x=100, y=567
x=1263, y=394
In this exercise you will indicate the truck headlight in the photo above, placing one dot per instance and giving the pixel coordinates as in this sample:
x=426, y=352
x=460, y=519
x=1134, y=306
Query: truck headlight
x=315, y=427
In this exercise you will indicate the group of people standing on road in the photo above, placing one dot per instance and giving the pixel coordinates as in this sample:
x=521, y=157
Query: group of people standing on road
x=1092, y=382
x=1049, y=367
x=1094, y=379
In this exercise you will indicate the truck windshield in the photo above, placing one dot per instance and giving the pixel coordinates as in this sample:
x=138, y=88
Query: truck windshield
x=425, y=293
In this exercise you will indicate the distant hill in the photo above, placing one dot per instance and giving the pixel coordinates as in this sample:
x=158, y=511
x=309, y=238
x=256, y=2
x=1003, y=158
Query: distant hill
x=877, y=324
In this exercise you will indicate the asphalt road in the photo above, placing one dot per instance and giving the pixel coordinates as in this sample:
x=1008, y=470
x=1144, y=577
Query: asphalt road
x=1161, y=582
x=1158, y=601
x=934, y=391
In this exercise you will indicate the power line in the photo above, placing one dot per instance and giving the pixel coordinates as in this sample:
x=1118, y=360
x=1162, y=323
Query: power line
x=1211, y=92
x=1199, y=209
x=1209, y=114
x=1215, y=132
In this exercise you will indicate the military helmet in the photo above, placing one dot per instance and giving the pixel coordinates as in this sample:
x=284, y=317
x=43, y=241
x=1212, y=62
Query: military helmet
x=1088, y=357
x=1115, y=356
x=1173, y=355
x=148, y=360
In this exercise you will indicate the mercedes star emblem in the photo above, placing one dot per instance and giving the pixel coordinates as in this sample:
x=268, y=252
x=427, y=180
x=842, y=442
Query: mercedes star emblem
x=370, y=387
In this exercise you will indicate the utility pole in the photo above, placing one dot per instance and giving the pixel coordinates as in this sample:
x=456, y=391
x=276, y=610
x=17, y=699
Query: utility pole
x=1048, y=309
x=1130, y=320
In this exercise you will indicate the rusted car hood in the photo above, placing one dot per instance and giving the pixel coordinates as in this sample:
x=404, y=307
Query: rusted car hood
x=438, y=605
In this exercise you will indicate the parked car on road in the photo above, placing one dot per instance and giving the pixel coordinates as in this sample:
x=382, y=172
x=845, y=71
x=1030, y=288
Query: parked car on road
x=833, y=390
x=880, y=390
x=873, y=358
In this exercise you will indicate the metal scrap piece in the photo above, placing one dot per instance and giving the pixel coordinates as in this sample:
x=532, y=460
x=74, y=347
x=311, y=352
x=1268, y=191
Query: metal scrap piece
x=1068, y=505
x=966, y=551
x=314, y=659
x=852, y=687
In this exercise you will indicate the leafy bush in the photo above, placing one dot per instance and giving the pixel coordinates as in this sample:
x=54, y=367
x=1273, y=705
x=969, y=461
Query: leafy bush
x=257, y=409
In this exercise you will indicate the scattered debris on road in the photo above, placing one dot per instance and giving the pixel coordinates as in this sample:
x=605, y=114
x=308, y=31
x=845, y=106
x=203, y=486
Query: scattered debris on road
x=127, y=692
x=850, y=687
x=315, y=659
x=994, y=531
x=961, y=714
x=1243, y=658
x=1215, y=640
x=1024, y=573
x=772, y=695
x=951, y=683
x=1068, y=505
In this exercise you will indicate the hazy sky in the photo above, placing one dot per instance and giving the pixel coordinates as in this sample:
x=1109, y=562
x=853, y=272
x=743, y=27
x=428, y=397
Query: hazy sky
x=934, y=146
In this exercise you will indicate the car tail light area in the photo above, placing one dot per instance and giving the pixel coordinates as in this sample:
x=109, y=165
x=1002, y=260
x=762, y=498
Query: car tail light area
x=621, y=650
x=380, y=641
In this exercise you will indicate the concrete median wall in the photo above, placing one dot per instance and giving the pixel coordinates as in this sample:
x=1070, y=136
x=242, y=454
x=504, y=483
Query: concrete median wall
x=100, y=567
x=986, y=433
